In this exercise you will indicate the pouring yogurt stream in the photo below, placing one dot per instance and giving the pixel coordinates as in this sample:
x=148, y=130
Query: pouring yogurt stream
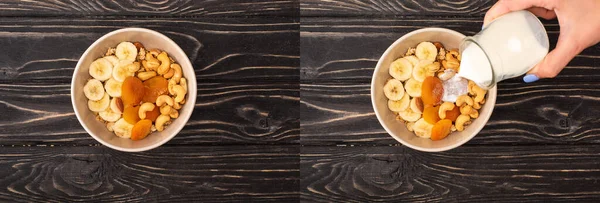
x=508, y=47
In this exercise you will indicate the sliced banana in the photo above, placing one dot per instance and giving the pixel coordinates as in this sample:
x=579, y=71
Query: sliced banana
x=401, y=69
x=413, y=60
x=400, y=105
x=113, y=59
x=393, y=89
x=115, y=106
x=113, y=87
x=421, y=71
x=422, y=128
x=109, y=115
x=100, y=105
x=121, y=71
x=93, y=90
x=126, y=51
x=101, y=69
x=413, y=87
x=416, y=105
x=409, y=115
x=426, y=51
x=122, y=128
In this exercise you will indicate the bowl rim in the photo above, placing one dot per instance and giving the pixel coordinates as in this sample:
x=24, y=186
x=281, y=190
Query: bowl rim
x=79, y=64
x=379, y=117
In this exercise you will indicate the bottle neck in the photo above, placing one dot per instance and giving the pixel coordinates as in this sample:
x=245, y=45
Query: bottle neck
x=489, y=76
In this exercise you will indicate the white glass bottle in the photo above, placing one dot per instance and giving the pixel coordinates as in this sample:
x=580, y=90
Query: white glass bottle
x=508, y=47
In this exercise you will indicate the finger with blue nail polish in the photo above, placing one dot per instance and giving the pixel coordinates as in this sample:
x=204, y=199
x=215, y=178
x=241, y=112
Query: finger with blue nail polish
x=530, y=78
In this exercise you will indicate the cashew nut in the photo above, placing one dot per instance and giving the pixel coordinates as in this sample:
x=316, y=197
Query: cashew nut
x=144, y=108
x=165, y=63
x=169, y=74
x=453, y=128
x=161, y=121
x=177, y=75
x=479, y=94
x=154, y=52
x=150, y=64
x=446, y=106
x=470, y=87
x=462, y=99
x=176, y=106
x=162, y=99
x=146, y=75
x=474, y=114
x=477, y=106
x=466, y=110
x=452, y=55
x=135, y=66
x=179, y=92
x=174, y=113
x=451, y=64
x=165, y=110
x=447, y=74
x=461, y=121
x=183, y=83
x=170, y=86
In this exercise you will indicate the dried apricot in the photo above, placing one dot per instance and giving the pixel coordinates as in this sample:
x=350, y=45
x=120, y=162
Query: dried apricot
x=432, y=90
x=130, y=114
x=430, y=114
x=440, y=130
x=154, y=87
x=132, y=91
x=152, y=115
x=141, y=129
x=453, y=114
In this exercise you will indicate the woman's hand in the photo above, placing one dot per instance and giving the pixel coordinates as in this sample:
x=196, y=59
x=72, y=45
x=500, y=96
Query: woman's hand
x=579, y=27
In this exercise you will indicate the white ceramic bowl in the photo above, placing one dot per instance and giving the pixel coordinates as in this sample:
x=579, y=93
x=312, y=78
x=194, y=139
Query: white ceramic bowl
x=150, y=39
x=397, y=129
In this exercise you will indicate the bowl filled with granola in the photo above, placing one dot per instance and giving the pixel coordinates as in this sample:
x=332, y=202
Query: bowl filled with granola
x=419, y=100
x=133, y=89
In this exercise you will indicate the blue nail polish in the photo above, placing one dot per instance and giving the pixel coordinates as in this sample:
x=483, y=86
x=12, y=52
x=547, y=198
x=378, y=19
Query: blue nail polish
x=483, y=26
x=530, y=78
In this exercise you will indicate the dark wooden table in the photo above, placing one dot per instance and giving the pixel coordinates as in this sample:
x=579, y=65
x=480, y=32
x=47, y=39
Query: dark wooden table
x=283, y=112
x=241, y=143
x=541, y=143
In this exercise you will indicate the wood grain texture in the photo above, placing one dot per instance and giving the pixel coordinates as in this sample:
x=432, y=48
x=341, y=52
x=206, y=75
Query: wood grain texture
x=394, y=8
x=225, y=113
x=541, y=113
x=252, y=49
x=466, y=174
x=180, y=174
x=177, y=8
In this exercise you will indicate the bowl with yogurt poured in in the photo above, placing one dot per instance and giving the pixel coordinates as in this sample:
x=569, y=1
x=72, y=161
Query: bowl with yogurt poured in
x=401, y=96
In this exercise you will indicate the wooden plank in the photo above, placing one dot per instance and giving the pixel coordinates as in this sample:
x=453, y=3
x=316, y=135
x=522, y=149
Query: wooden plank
x=466, y=174
x=544, y=112
x=249, y=49
x=176, y=8
x=225, y=113
x=182, y=174
x=348, y=49
x=394, y=8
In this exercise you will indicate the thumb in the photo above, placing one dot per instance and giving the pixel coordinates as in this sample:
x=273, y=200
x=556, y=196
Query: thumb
x=555, y=61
